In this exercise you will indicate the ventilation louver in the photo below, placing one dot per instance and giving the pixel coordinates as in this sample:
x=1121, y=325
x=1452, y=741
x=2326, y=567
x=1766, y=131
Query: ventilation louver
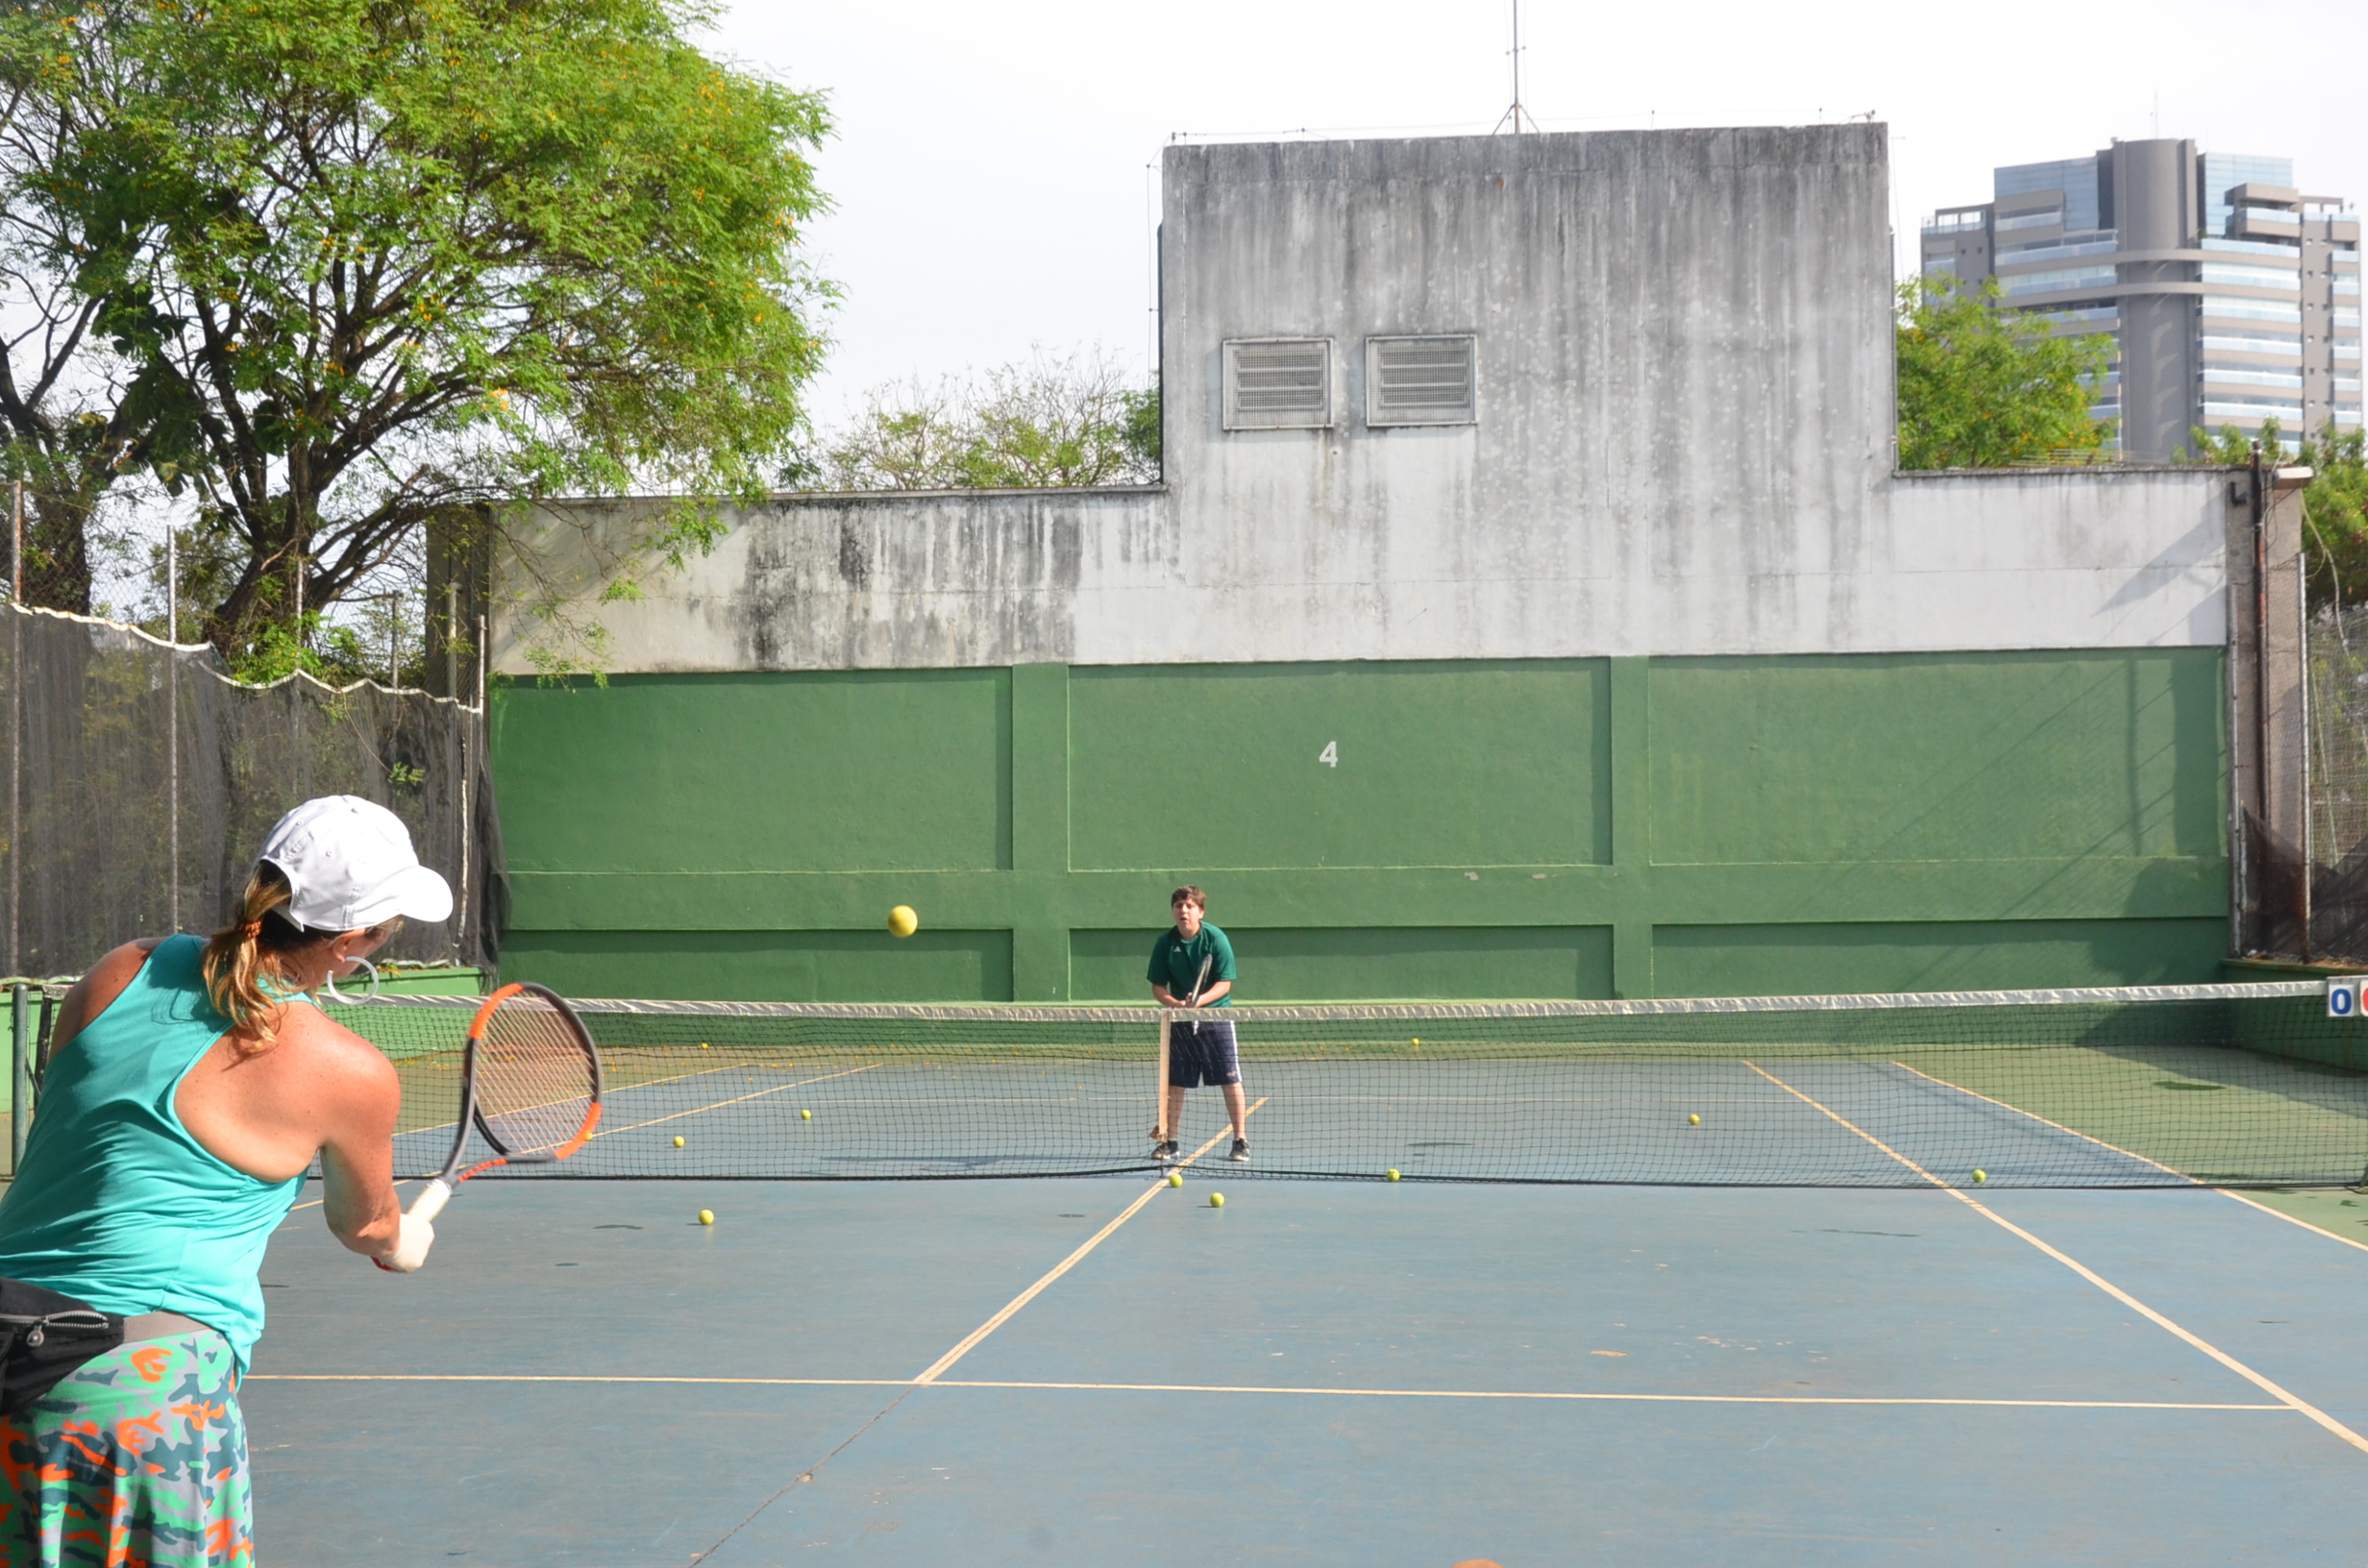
x=1421, y=380
x=1279, y=383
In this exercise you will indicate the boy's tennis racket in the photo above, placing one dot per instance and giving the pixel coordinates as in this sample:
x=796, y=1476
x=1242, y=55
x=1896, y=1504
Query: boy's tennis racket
x=530, y=1086
x=1159, y=1118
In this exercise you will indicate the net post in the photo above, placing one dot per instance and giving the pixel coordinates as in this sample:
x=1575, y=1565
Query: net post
x=1159, y=1089
x=20, y=1073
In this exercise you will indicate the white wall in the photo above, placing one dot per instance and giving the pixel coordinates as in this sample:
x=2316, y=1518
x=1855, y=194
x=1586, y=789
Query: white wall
x=1683, y=448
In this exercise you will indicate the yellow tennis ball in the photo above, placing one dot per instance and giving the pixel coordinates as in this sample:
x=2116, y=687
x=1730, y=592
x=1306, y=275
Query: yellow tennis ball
x=806, y=1115
x=1980, y=1175
x=678, y=1141
x=703, y=1046
x=1417, y=1044
x=1217, y=1200
x=706, y=1216
x=1175, y=1178
x=902, y=921
x=1393, y=1175
x=1693, y=1120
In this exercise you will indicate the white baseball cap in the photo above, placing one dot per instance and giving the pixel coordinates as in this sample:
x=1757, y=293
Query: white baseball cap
x=350, y=865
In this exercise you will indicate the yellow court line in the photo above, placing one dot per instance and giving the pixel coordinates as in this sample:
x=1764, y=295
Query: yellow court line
x=1255, y=1388
x=777, y=1088
x=938, y=1368
x=2044, y=1122
x=635, y=1126
x=2292, y=1400
x=2225, y=1193
x=2290, y=1219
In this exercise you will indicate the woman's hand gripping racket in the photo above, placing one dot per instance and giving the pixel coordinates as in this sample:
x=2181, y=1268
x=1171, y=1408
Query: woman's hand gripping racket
x=530, y=1086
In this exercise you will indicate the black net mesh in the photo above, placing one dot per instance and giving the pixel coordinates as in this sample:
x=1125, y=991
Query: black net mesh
x=99, y=712
x=2227, y=1085
x=2337, y=668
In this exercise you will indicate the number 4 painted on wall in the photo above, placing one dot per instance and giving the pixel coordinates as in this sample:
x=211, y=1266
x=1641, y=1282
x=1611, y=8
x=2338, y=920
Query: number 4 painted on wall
x=1330, y=755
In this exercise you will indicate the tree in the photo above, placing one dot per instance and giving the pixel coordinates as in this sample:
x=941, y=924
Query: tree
x=371, y=263
x=2334, y=504
x=1049, y=421
x=1982, y=387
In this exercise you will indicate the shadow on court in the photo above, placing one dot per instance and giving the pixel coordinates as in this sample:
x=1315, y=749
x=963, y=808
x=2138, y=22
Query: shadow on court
x=1319, y=1373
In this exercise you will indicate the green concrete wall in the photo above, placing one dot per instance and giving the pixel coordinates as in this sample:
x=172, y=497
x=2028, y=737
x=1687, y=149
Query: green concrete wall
x=1486, y=829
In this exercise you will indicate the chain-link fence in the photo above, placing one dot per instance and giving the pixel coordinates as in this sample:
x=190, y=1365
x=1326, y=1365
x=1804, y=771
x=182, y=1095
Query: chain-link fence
x=2336, y=798
x=142, y=779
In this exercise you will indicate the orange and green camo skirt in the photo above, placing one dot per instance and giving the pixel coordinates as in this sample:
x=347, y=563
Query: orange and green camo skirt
x=137, y=1459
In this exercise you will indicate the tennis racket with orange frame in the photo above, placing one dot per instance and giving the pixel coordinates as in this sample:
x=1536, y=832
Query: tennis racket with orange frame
x=529, y=1084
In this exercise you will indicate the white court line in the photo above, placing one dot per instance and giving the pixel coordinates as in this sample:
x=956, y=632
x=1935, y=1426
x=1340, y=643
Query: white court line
x=2250, y=1203
x=2293, y=1402
x=1256, y=1389
x=937, y=1369
x=2290, y=1219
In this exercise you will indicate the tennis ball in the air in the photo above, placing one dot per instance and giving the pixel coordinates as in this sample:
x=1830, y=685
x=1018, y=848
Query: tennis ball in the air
x=678, y=1141
x=703, y=1046
x=1694, y=1119
x=1393, y=1175
x=902, y=921
x=1980, y=1175
x=806, y=1115
x=1217, y=1200
x=706, y=1216
x=1175, y=1178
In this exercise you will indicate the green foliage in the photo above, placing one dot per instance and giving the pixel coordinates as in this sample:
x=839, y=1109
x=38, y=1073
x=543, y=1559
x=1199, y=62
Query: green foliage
x=1051, y=421
x=357, y=263
x=1982, y=387
x=2334, y=504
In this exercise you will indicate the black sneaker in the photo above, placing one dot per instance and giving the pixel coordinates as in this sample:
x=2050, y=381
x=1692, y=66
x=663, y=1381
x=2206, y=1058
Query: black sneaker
x=1240, y=1151
x=1166, y=1152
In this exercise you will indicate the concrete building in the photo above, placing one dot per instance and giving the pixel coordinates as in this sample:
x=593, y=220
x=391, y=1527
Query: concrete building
x=2231, y=296
x=1529, y=608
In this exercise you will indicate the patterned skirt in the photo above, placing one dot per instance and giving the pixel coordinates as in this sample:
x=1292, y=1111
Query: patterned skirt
x=139, y=1459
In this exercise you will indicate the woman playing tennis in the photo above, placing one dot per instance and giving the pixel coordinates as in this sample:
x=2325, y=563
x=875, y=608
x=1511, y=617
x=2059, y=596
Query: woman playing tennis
x=190, y=1085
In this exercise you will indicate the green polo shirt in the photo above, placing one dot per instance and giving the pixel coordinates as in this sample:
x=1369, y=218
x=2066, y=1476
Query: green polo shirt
x=1177, y=963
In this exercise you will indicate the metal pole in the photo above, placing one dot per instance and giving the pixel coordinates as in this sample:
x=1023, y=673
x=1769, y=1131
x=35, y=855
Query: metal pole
x=20, y=1074
x=2239, y=878
x=2260, y=739
x=452, y=631
x=172, y=719
x=394, y=621
x=2301, y=608
x=16, y=736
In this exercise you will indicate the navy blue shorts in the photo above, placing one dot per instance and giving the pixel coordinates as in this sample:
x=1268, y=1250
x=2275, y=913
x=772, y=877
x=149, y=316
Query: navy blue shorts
x=1202, y=1054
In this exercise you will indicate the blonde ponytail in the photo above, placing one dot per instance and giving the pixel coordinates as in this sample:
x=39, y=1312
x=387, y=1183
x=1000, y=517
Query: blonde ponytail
x=243, y=957
x=236, y=960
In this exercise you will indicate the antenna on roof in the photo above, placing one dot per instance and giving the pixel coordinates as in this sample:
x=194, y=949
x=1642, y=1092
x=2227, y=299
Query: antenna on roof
x=1516, y=119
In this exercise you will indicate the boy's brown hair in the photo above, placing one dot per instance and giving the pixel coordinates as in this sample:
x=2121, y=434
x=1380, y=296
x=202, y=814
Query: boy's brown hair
x=1189, y=895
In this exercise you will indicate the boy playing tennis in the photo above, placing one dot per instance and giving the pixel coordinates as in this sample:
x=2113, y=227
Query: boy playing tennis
x=1191, y=966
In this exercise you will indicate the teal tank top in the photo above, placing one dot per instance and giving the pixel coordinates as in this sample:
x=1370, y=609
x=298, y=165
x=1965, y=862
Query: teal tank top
x=116, y=1202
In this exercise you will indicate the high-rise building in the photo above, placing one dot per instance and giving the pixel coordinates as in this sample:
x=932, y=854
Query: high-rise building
x=2231, y=296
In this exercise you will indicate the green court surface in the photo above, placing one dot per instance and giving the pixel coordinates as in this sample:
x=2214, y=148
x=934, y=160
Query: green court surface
x=1103, y=1370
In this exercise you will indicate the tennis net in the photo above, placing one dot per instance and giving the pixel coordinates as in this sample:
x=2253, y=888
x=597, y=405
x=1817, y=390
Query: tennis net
x=2247, y=1086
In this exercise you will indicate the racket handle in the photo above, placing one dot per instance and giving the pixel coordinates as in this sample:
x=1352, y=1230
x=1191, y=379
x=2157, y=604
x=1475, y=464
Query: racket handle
x=431, y=1202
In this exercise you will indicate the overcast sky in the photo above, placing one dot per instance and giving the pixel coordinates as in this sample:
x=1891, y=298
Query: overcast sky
x=993, y=164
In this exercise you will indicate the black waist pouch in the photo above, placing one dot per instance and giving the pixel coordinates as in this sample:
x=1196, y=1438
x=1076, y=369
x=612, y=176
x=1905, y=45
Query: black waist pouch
x=45, y=1335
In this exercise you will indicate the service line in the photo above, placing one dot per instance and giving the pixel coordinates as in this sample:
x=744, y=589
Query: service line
x=2292, y=1402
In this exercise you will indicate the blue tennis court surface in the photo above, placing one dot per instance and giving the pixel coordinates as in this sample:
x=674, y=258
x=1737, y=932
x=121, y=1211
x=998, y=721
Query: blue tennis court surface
x=1316, y=1373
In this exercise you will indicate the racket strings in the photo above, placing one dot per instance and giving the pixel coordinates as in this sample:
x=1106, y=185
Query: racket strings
x=534, y=1080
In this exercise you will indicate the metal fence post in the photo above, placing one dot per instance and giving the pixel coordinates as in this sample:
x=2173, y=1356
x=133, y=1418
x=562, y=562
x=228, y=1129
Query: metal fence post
x=20, y=1073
